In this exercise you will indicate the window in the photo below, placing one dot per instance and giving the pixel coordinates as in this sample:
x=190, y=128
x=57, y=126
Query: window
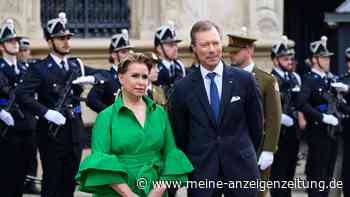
x=89, y=18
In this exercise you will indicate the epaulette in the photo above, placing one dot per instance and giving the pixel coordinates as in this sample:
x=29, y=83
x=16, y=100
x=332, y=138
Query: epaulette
x=312, y=75
x=75, y=62
x=266, y=74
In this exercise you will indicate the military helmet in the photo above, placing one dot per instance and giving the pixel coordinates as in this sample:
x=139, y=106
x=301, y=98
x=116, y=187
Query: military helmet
x=347, y=53
x=120, y=41
x=165, y=34
x=281, y=48
x=319, y=48
x=8, y=31
x=57, y=27
x=24, y=43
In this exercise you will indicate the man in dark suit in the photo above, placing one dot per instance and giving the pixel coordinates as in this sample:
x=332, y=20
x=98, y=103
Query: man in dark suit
x=216, y=114
x=52, y=78
x=242, y=49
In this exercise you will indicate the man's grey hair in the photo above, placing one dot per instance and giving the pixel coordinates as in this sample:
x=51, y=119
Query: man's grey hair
x=202, y=26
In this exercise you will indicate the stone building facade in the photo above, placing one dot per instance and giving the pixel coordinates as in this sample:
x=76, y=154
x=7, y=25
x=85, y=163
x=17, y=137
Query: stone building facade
x=263, y=18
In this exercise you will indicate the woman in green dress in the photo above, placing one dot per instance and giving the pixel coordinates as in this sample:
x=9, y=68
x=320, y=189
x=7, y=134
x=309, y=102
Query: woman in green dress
x=132, y=142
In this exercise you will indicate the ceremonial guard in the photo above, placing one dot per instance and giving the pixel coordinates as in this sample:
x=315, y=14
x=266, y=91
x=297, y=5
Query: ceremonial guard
x=170, y=67
x=316, y=101
x=345, y=78
x=25, y=52
x=241, y=48
x=283, y=168
x=103, y=95
x=25, y=57
x=17, y=124
x=57, y=79
x=155, y=91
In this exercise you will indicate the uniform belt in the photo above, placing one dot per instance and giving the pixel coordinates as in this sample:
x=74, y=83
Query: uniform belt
x=77, y=109
x=4, y=101
x=322, y=107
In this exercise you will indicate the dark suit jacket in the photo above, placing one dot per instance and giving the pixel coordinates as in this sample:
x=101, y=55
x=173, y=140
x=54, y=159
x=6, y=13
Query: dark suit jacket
x=231, y=144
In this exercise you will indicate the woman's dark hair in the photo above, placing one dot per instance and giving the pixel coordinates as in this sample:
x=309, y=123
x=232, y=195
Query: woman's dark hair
x=135, y=58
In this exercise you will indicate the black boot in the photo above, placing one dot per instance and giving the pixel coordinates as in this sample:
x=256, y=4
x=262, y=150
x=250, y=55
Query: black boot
x=30, y=188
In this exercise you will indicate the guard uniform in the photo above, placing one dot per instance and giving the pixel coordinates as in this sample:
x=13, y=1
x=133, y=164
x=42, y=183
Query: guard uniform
x=17, y=144
x=169, y=70
x=52, y=80
x=314, y=102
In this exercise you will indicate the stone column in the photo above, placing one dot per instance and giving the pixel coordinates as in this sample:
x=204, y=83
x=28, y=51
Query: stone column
x=267, y=18
x=26, y=16
x=146, y=18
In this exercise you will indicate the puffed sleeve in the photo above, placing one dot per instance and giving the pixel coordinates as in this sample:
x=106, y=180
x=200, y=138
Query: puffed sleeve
x=176, y=165
x=101, y=168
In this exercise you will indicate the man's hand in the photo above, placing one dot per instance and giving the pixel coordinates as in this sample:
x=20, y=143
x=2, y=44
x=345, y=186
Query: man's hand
x=265, y=160
x=55, y=117
x=7, y=118
x=340, y=87
x=287, y=120
x=330, y=119
x=84, y=80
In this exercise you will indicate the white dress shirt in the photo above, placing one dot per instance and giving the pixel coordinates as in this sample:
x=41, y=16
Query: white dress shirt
x=167, y=65
x=280, y=72
x=320, y=73
x=219, y=69
x=59, y=60
x=250, y=67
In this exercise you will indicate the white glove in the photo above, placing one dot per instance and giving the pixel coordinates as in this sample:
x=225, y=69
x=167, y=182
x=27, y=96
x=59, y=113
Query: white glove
x=265, y=160
x=330, y=119
x=340, y=87
x=296, y=89
x=55, y=117
x=84, y=80
x=7, y=118
x=287, y=120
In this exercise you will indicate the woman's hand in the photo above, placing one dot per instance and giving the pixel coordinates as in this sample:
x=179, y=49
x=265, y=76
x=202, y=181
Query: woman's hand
x=157, y=191
x=124, y=190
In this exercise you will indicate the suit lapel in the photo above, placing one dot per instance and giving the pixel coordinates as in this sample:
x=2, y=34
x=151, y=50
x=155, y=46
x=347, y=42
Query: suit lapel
x=227, y=84
x=199, y=88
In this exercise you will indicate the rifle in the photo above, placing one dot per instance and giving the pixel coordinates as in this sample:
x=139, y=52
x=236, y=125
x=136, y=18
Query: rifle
x=287, y=105
x=334, y=100
x=11, y=106
x=61, y=104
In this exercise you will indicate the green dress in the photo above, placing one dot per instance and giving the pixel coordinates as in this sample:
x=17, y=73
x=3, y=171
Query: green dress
x=123, y=152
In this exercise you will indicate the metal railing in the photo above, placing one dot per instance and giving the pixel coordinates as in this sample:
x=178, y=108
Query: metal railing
x=89, y=18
